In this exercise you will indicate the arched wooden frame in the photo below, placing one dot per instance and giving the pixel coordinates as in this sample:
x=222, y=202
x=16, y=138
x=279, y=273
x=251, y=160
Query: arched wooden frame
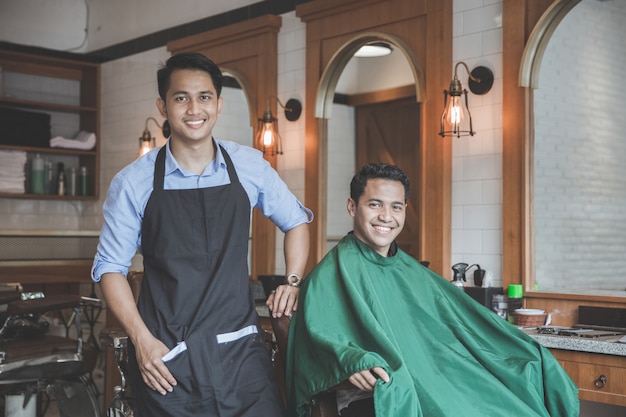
x=332, y=73
x=325, y=99
x=423, y=30
x=249, y=52
x=527, y=26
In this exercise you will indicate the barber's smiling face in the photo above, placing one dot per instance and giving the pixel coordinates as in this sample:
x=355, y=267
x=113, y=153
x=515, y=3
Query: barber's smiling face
x=379, y=214
x=191, y=105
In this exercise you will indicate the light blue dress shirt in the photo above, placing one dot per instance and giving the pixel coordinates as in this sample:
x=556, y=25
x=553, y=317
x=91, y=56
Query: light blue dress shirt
x=131, y=188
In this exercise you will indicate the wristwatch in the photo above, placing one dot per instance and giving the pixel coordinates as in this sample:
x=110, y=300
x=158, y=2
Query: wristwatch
x=293, y=280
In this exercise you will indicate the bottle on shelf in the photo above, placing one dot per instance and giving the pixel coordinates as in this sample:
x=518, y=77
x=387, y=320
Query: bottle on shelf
x=83, y=181
x=60, y=179
x=71, y=186
x=50, y=184
x=37, y=175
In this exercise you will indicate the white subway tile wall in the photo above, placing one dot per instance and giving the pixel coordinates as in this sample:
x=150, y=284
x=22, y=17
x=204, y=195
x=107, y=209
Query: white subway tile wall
x=477, y=160
x=580, y=194
x=291, y=75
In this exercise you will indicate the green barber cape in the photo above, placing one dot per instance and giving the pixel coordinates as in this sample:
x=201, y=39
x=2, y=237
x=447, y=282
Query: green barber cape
x=446, y=355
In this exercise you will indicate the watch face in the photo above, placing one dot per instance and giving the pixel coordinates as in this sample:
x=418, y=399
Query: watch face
x=293, y=280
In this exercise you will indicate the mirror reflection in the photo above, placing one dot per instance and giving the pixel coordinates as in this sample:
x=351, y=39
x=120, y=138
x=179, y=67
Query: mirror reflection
x=234, y=122
x=579, y=171
x=361, y=76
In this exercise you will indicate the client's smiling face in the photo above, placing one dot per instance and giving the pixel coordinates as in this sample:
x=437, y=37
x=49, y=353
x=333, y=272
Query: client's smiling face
x=379, y=214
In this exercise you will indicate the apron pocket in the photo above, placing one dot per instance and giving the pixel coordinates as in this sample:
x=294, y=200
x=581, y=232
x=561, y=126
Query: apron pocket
x=187, y=368
x=180, y=348
x=245, y=360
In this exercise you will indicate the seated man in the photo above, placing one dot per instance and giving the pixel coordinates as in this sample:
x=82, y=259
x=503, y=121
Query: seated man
x=371, y=314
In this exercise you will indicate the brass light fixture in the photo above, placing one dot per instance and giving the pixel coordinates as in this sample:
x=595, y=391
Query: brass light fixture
x=146, y=140
x=456, y=119
x=268, y=139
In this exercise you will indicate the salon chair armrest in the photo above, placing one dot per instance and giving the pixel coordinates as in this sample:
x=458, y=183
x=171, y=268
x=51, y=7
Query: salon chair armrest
x=114, y=337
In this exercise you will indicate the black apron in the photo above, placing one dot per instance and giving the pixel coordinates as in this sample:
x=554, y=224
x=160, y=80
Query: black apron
x=195, y=289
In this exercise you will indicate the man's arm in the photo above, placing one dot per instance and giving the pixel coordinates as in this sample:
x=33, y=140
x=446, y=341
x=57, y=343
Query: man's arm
x=285, y=299
x=150, y=351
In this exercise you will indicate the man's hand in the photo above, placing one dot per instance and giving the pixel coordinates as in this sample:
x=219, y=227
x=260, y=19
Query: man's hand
x=155, y=374
x=284, y=300
x=366, y=379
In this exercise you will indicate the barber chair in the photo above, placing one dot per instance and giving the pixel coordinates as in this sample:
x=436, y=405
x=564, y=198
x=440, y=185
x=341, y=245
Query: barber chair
x=323, y=404
x=35, y=366
x=117, y=339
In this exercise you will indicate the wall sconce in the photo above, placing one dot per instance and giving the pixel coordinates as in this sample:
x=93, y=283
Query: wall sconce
x=147, y=141
x=268, y=139
x=456, y=115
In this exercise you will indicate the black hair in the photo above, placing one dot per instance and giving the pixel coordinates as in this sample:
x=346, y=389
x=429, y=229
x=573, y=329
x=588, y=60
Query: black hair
x=373, y=171
x=188, y=61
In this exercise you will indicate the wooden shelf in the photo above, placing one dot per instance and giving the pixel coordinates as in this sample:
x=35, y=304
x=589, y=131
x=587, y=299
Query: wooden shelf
x=59, y=151
x=45, y=105
x=36, y=67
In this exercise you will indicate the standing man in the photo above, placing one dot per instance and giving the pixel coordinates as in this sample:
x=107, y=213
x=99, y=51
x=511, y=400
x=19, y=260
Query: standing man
x=410, y=343
x=196, y=348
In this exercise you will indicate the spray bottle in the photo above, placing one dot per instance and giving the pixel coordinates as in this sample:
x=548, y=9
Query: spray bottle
x=459, y=275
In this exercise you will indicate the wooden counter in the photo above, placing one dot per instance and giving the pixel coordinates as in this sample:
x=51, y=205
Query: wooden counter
x=599, y=377
x=46, y=272
x=41, y=256
x=600, y=374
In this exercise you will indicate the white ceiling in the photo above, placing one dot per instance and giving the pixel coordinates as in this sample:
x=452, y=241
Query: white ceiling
x=61, y=24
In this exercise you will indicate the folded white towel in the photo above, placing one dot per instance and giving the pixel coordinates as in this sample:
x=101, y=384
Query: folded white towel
x=12, y=186
x=12, y=176
x=84, y=141
x=13, y=190
x=12, y=157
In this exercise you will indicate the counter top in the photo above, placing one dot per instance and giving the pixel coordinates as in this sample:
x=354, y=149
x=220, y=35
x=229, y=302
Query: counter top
x=608, y=345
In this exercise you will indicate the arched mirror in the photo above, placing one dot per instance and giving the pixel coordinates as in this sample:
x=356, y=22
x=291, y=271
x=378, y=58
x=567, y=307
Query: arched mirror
x=577, y=159
x=374, y=117
x=234, y=124
x=423, y=35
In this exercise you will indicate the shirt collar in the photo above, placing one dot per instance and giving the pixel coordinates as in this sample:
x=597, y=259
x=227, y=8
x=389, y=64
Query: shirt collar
x=393, y=249
x=171, y=165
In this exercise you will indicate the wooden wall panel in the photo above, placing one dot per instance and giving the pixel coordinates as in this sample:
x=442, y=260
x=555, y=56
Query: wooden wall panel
x=423, y=30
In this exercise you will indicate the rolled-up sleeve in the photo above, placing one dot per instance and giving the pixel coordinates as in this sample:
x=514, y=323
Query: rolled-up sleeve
x=279, y=204
x=121, y=231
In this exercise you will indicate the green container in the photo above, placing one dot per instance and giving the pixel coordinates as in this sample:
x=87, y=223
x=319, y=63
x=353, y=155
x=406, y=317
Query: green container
x=38, y=176
x=516, y=291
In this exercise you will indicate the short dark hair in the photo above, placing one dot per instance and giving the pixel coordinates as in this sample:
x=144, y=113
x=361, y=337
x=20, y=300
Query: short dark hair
x=373, y=171
x=188, y=61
